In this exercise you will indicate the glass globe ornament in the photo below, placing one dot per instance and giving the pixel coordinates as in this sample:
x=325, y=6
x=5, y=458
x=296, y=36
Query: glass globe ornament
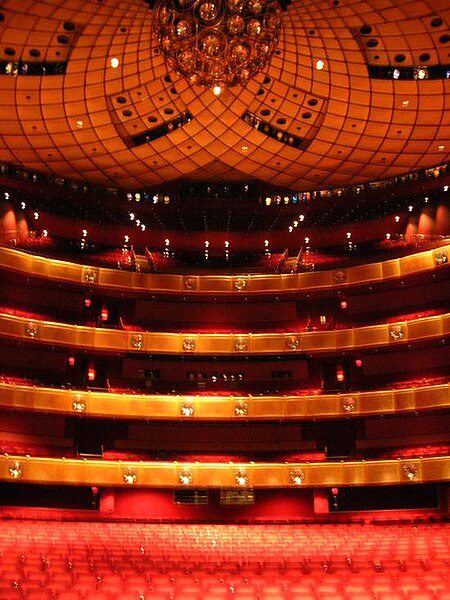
x=217, y=44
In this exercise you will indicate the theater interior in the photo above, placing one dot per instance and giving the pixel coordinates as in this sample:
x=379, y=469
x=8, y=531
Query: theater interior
x=224, y=299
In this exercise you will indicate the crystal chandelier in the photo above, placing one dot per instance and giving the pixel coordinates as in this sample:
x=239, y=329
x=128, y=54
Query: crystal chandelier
x=217, y=43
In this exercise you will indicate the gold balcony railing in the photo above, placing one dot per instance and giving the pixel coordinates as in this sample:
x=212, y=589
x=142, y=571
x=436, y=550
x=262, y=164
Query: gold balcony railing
x=105, y=473
x=330, y=341
x=230, y=408
x=136, y=282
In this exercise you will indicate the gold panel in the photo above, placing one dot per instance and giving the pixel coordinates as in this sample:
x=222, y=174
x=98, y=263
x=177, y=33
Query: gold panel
x=12, y=326
x=165, y=343
x=374, y=335
x=40, y=267
x=105, y=339
x=384, y=472
x=270, y=476
x=68, y=272
x=329, y=405
x=263, y=283
x=435, y=469
x=318, y=341
x=416, y=263
x=264, y=343
x=207, y=408
x=214, y=475
x=114, y=278
x=445, y=324
x=365, y=273
x=214, y=343
x=58, y=269
x=405, y=400
x=161, y=283
x=427, y=327
x=376, y=402
x=345, y=339
x=298, y=406
x=84, y=336
x=16, y=260
x=432, y=397
x=356, y=475
x=390, y=269
x=215, y=284
x=317, y=280
x=326, y=473
x=59, y=333
x=269, y=407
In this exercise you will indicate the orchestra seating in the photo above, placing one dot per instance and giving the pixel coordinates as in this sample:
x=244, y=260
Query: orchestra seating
x=86, y=560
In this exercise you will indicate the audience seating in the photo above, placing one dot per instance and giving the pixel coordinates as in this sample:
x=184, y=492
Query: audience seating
x=43, y=560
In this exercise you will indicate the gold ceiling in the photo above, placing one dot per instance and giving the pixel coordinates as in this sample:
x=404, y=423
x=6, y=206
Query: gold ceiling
x=80, y=123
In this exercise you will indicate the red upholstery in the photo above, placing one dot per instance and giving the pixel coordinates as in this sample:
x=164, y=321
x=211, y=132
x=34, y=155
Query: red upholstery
x=40, y=560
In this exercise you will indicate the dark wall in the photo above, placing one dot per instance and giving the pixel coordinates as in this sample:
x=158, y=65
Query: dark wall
x=159, y=504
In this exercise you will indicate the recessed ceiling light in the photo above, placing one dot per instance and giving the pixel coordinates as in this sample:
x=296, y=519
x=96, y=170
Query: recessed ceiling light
x=441, y=147
x=405, y=103
x=114, y=62
x=80, y=124
x=244, y=149
x=320, y=64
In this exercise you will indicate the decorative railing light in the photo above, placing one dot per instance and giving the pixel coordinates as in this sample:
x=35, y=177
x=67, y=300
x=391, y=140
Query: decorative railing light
x=31, y=329
x=137, y=341
x=348, y=404
x=185, y=476
x=297, y=476
x=15, y=470
x=241, y=344
x=241, y=477
x=188, y=345
x=78, y=404
x=396, y=332
x=410, y=471
x=440, y=257
x=130, y=477
x=241, y=409
x=187, y=409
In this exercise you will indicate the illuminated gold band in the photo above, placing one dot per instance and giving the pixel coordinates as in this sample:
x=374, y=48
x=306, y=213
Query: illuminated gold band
x=201, y=408
x=114, y=340
x=105, y=473
x=135, y=282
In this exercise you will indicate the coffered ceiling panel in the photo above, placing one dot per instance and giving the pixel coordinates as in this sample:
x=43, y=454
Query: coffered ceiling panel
x=67, y=109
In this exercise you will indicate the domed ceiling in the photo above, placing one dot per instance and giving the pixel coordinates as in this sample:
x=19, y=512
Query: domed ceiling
x=86, y=95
